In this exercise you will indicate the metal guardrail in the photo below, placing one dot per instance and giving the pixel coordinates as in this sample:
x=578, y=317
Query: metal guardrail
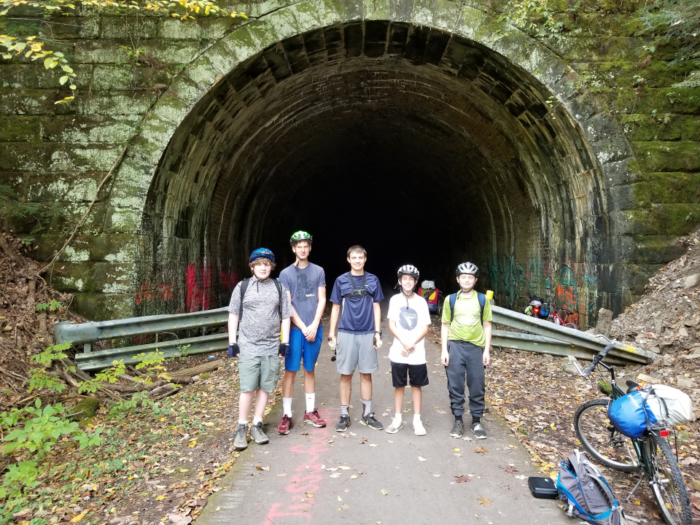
x=545, y=337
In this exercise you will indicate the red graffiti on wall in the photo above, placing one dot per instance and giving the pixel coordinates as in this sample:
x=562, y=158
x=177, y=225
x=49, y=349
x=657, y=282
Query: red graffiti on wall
x=228, y=280
x=308, y=479
x=154, y=291
x=198, y=288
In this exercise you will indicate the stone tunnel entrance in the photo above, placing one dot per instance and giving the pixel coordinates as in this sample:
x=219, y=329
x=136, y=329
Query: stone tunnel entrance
x=423, y=146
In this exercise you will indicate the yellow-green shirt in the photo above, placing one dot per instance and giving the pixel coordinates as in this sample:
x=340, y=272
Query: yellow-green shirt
x=466, y=325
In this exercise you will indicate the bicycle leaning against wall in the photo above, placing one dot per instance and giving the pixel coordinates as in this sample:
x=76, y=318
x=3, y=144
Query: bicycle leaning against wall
x=652, y=454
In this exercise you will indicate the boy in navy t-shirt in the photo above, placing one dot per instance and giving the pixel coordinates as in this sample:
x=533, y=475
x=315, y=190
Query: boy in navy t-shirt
x=355, y=297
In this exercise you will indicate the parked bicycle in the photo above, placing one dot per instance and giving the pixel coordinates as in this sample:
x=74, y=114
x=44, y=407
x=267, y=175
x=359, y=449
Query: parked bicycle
x=570, y=319
x=652, y=454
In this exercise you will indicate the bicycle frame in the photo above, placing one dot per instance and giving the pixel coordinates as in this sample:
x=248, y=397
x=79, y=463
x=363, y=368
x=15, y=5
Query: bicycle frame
x=642, y=445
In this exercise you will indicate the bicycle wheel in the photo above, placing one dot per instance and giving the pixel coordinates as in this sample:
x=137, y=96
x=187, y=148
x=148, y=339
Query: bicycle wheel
x=600, y=438
x=667, y=483
x=571, y=325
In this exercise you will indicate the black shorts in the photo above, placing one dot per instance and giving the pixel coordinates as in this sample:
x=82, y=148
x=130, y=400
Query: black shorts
x=401, y=372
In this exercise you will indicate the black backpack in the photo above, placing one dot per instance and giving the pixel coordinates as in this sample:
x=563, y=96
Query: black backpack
x=244, y=287
x=453, y=300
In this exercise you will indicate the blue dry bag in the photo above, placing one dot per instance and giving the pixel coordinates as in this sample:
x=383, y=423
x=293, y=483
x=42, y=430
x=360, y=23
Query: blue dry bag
x=631, y=414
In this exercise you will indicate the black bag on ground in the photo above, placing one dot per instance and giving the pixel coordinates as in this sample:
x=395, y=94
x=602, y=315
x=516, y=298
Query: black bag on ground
x=586, y=493
x=542, y=487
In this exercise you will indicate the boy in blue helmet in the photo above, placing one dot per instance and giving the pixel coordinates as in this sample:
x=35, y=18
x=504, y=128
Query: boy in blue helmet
x=258, y=307
x=306, y=283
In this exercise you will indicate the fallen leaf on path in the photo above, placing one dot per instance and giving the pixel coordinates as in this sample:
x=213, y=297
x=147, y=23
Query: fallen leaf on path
x=259, y=467
x=281, y=475
x=176, y=519
x=456, y=450
x=344, y=468
x=467, y=438
x=510, y=470
x=354, y=476
x=340, y=499
x=363, y=441
x=336, y=475
x=373, y=445
x=461, y=479
x=160, y=498
x=308, y=495
x=480, y=450
x=484, y=501
x=332, y=469
x=421, y=459
x=80, y=516
x=436, y=475
x=385, y=492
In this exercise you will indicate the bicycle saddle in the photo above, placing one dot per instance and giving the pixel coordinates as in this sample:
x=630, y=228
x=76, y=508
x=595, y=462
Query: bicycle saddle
x=631, y=386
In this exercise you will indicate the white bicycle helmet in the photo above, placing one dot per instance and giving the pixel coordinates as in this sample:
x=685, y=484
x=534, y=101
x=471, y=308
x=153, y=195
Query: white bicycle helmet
x=468, y=268
x=408, y=269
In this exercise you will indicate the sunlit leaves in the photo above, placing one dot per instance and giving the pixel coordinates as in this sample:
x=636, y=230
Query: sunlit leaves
x=13, y=46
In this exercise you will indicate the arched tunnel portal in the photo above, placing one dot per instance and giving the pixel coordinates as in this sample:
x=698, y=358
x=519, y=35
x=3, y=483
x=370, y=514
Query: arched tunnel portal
x=421, y=145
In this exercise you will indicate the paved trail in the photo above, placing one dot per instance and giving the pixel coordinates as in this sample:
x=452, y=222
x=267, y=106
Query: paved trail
x=299, y=488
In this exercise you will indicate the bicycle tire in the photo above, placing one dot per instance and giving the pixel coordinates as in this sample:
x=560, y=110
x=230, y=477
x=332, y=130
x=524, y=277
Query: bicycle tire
x=667, y=484
x=571, y=325
x=609, y=447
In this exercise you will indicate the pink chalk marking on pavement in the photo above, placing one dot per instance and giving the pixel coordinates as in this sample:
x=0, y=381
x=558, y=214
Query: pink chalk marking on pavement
x=308, y=454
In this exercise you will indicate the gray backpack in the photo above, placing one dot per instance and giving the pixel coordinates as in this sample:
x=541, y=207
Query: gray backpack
x=588, y=496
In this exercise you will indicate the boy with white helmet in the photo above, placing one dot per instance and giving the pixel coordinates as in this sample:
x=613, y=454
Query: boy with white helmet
x=259, y=315
x=306, y=286
x=466, y=344
x=409, y=320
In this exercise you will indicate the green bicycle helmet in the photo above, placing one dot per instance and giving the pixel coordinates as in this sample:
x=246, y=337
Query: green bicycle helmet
x=300, y=236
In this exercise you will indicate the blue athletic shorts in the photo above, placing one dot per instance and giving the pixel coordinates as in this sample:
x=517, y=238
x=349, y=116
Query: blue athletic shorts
x=300, y=348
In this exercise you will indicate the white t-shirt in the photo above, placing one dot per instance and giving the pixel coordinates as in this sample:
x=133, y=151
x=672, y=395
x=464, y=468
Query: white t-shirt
x=409, y=317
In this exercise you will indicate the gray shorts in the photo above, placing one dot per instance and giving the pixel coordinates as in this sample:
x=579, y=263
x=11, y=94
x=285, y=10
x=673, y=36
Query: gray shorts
x=258, y=372
x=354, y=349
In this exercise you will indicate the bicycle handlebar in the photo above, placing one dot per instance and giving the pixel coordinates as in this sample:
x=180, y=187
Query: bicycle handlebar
x=597, y=359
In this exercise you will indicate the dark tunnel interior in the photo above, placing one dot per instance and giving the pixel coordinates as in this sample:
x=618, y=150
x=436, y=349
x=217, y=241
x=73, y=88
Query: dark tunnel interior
x=422, y=146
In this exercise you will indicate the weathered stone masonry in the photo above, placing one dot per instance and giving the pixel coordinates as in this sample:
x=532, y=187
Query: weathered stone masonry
x=576, y=189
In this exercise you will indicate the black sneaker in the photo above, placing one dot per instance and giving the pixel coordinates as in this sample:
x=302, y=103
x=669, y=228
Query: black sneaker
x=457, y=429
x=479, y=431
x=241, y=439
x=256, y=433
x=371, y=422
x=343, y=423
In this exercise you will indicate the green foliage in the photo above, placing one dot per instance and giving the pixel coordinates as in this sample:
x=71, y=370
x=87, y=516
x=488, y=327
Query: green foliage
x=139, y=399
x=52, y=306
x=151, y=366
x=36, y=430
x=108, y=375
x=40, y=377
x=675, y=23
x=13, y=209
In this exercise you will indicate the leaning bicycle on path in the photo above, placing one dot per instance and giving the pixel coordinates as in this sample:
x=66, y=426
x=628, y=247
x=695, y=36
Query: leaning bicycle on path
x=652, y=449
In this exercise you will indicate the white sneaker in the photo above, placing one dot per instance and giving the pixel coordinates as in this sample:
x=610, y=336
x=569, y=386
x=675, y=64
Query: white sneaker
x=395, y=426
x=418, y=428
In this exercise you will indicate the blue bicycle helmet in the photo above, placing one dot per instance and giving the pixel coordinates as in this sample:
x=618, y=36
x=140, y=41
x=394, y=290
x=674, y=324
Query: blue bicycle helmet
x=262, y=252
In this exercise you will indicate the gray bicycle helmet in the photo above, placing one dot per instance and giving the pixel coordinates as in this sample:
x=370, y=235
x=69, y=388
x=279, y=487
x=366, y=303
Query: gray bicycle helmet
x=468, y=268
x=408, y=269
x=300, y=236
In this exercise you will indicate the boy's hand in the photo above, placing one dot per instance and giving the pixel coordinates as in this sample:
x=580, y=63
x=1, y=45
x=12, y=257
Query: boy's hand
x=233, y=350
x=486, y=357
x=377, y=341
x=332, y=342
x=408, y=346
x=445, y=358
x=283, y=349
x=310, y=332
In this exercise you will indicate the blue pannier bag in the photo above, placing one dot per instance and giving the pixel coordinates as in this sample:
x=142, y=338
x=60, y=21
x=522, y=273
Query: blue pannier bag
x=631, y=414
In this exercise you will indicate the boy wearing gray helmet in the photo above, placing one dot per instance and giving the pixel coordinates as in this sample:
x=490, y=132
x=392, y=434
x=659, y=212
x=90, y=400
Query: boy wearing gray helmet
x=466, y=344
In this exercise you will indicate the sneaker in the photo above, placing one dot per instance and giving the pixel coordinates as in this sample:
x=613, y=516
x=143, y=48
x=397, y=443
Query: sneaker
x=285, y=425
x=314, y=418
x=241, y=439
x=371, y=422
x=479, y=431
x=418, y=428
x=394, y=427
x=457, y=429
x=256, y=433
x=343, y=423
